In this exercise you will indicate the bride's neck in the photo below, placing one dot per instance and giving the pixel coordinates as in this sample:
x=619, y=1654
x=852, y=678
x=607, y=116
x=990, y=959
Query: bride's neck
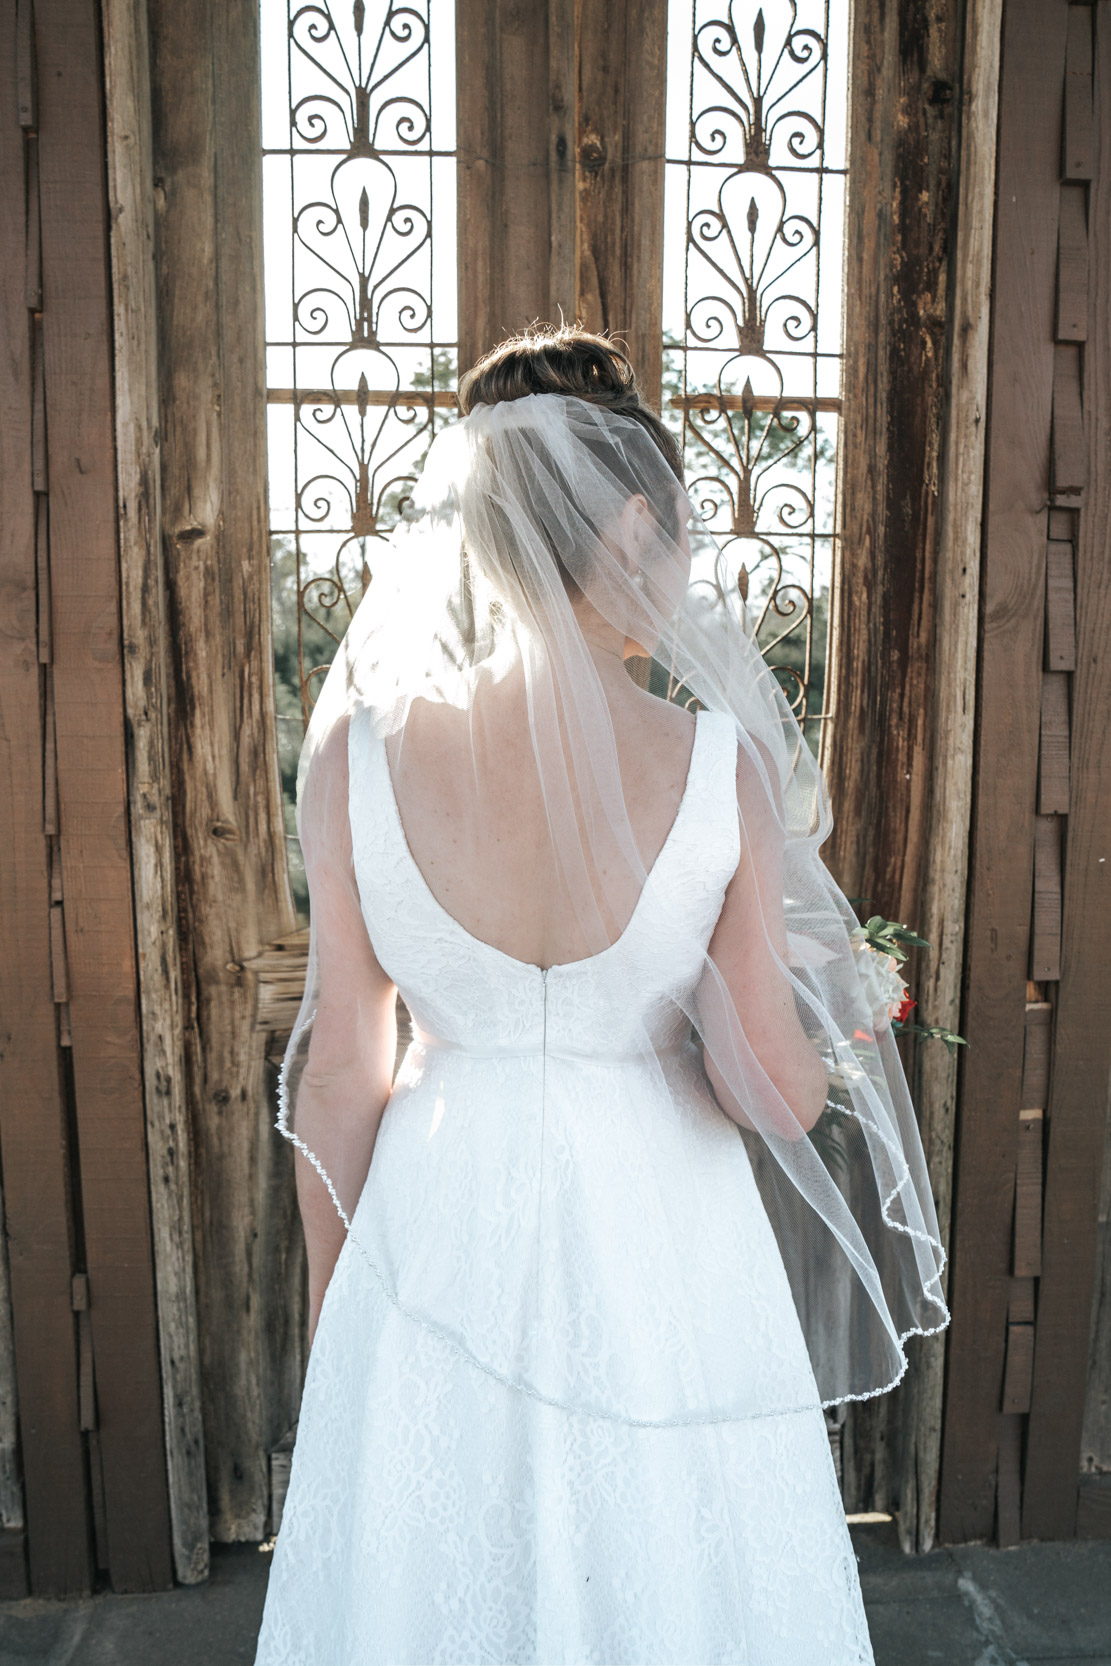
x=609, y=649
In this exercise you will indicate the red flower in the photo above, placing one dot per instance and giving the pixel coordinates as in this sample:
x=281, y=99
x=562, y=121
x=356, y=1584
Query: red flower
x=905, y=1010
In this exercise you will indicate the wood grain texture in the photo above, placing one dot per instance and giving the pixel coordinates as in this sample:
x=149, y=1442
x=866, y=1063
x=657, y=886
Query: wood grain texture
x=898, y=753
x=1072, y=265
x=1011, y=648
x=1018, y=1371
x=32, y=1116
x=560, y=174
x=1053, y=751
x=1027, y=1260
x=1069, y=459
x=1095, y=1441
x=92, y=794
x=233, y=892
x=1082, y=1051
x=1008, y=1525
x=509, y=155
x=144, y=629
x=1045, y=940
x=934, y=1071
x=1078, y=139
x=1060, y=607
x=619, y=177
x=1035, y=1055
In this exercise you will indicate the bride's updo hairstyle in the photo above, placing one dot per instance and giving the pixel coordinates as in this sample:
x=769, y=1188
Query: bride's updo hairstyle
x=567, y=360
x=572, y=362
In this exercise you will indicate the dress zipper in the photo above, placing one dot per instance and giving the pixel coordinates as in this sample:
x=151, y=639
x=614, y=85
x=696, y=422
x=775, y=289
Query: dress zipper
x=540, y=1167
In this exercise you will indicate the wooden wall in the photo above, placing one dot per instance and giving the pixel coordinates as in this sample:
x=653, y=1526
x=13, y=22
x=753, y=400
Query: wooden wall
x=561, y=171
x=151, y=1298
x=1035, y=1085
x=898, y=751
x=233, y=892
x=72, y=1112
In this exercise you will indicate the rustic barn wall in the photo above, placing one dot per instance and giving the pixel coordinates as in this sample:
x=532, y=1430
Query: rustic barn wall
x=146, y=701
x=898, y=747
x=1035, y=1083
x=72, y=1124
x=233, y=892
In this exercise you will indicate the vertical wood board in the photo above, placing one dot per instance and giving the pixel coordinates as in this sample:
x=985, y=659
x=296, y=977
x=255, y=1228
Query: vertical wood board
x=504, y=139
x=619, y=157
x=32, y=1117
x=1008, y=703
x=144, y=630
x=88, y=691
x=233, y=889
x=1082, y=1052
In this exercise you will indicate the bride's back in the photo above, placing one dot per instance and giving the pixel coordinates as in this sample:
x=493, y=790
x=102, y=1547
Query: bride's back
x=474, y=814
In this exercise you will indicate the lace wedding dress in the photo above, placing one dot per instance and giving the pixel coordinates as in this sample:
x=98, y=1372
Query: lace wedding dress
x=501, y=1455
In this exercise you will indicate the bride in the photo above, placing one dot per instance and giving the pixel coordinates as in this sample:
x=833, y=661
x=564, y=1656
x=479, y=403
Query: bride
x=646, y=1192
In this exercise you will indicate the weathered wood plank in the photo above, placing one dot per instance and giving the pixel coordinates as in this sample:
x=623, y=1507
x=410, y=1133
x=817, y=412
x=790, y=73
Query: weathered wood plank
x=144, y=625
x=1078, y=139
x=1019, y=1369
x=934, y=1071
x=1013, y=590
x=562, y=103
x=1027, y=1262
x=1095, y=1447
x=1069, y=459
x=13, y=1570
x=32, y=271
x=1053, y=754
x=619, y=151
x=1009, y=1500
x=1072, y=265
x=504, y=138
x=233, y=889
x=1020, y=1309
x=1045, y=940
x=1060, y=609
x=32, y=1114
x=1035, y=1056
x=88, y=685
x=885, y=615
x=1082, y=1051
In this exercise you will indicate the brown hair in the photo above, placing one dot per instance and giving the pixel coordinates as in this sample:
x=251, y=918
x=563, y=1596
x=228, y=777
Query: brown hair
x=566, y=359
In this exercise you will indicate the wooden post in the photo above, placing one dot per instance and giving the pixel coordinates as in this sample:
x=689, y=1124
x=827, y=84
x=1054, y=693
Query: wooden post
x=1008, y=704
x=514, y=170
x=33, y=1134
x=938, y=985
x=887, y=689
x=619, y=163
x=560, y=195
x=233, y=888
x=99, y=928
x=143, y=613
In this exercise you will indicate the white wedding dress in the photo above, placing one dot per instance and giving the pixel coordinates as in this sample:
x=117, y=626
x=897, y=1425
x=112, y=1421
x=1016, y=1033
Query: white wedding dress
x=512, y=1446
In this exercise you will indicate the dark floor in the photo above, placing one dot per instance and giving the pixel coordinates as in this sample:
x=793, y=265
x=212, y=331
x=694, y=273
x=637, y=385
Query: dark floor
x=967, y=1607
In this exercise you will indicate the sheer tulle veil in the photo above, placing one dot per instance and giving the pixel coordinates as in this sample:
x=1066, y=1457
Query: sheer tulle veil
x=527, y=510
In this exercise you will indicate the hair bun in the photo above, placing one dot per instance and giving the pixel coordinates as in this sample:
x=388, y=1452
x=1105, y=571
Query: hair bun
x=566, y=359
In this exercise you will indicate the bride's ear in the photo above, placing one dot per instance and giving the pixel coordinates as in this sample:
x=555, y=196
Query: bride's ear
x=633, y=534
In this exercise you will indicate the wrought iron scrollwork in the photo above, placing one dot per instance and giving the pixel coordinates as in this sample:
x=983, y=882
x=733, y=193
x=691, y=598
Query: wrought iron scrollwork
x=365, y=374
x=749, y=380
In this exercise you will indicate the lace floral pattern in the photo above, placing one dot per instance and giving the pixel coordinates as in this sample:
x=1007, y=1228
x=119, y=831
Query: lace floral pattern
x=559, y=1408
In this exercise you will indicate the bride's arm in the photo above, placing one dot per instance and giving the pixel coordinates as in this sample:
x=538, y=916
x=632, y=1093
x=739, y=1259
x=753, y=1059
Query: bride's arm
x=749, y=950
x=348, y=1071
